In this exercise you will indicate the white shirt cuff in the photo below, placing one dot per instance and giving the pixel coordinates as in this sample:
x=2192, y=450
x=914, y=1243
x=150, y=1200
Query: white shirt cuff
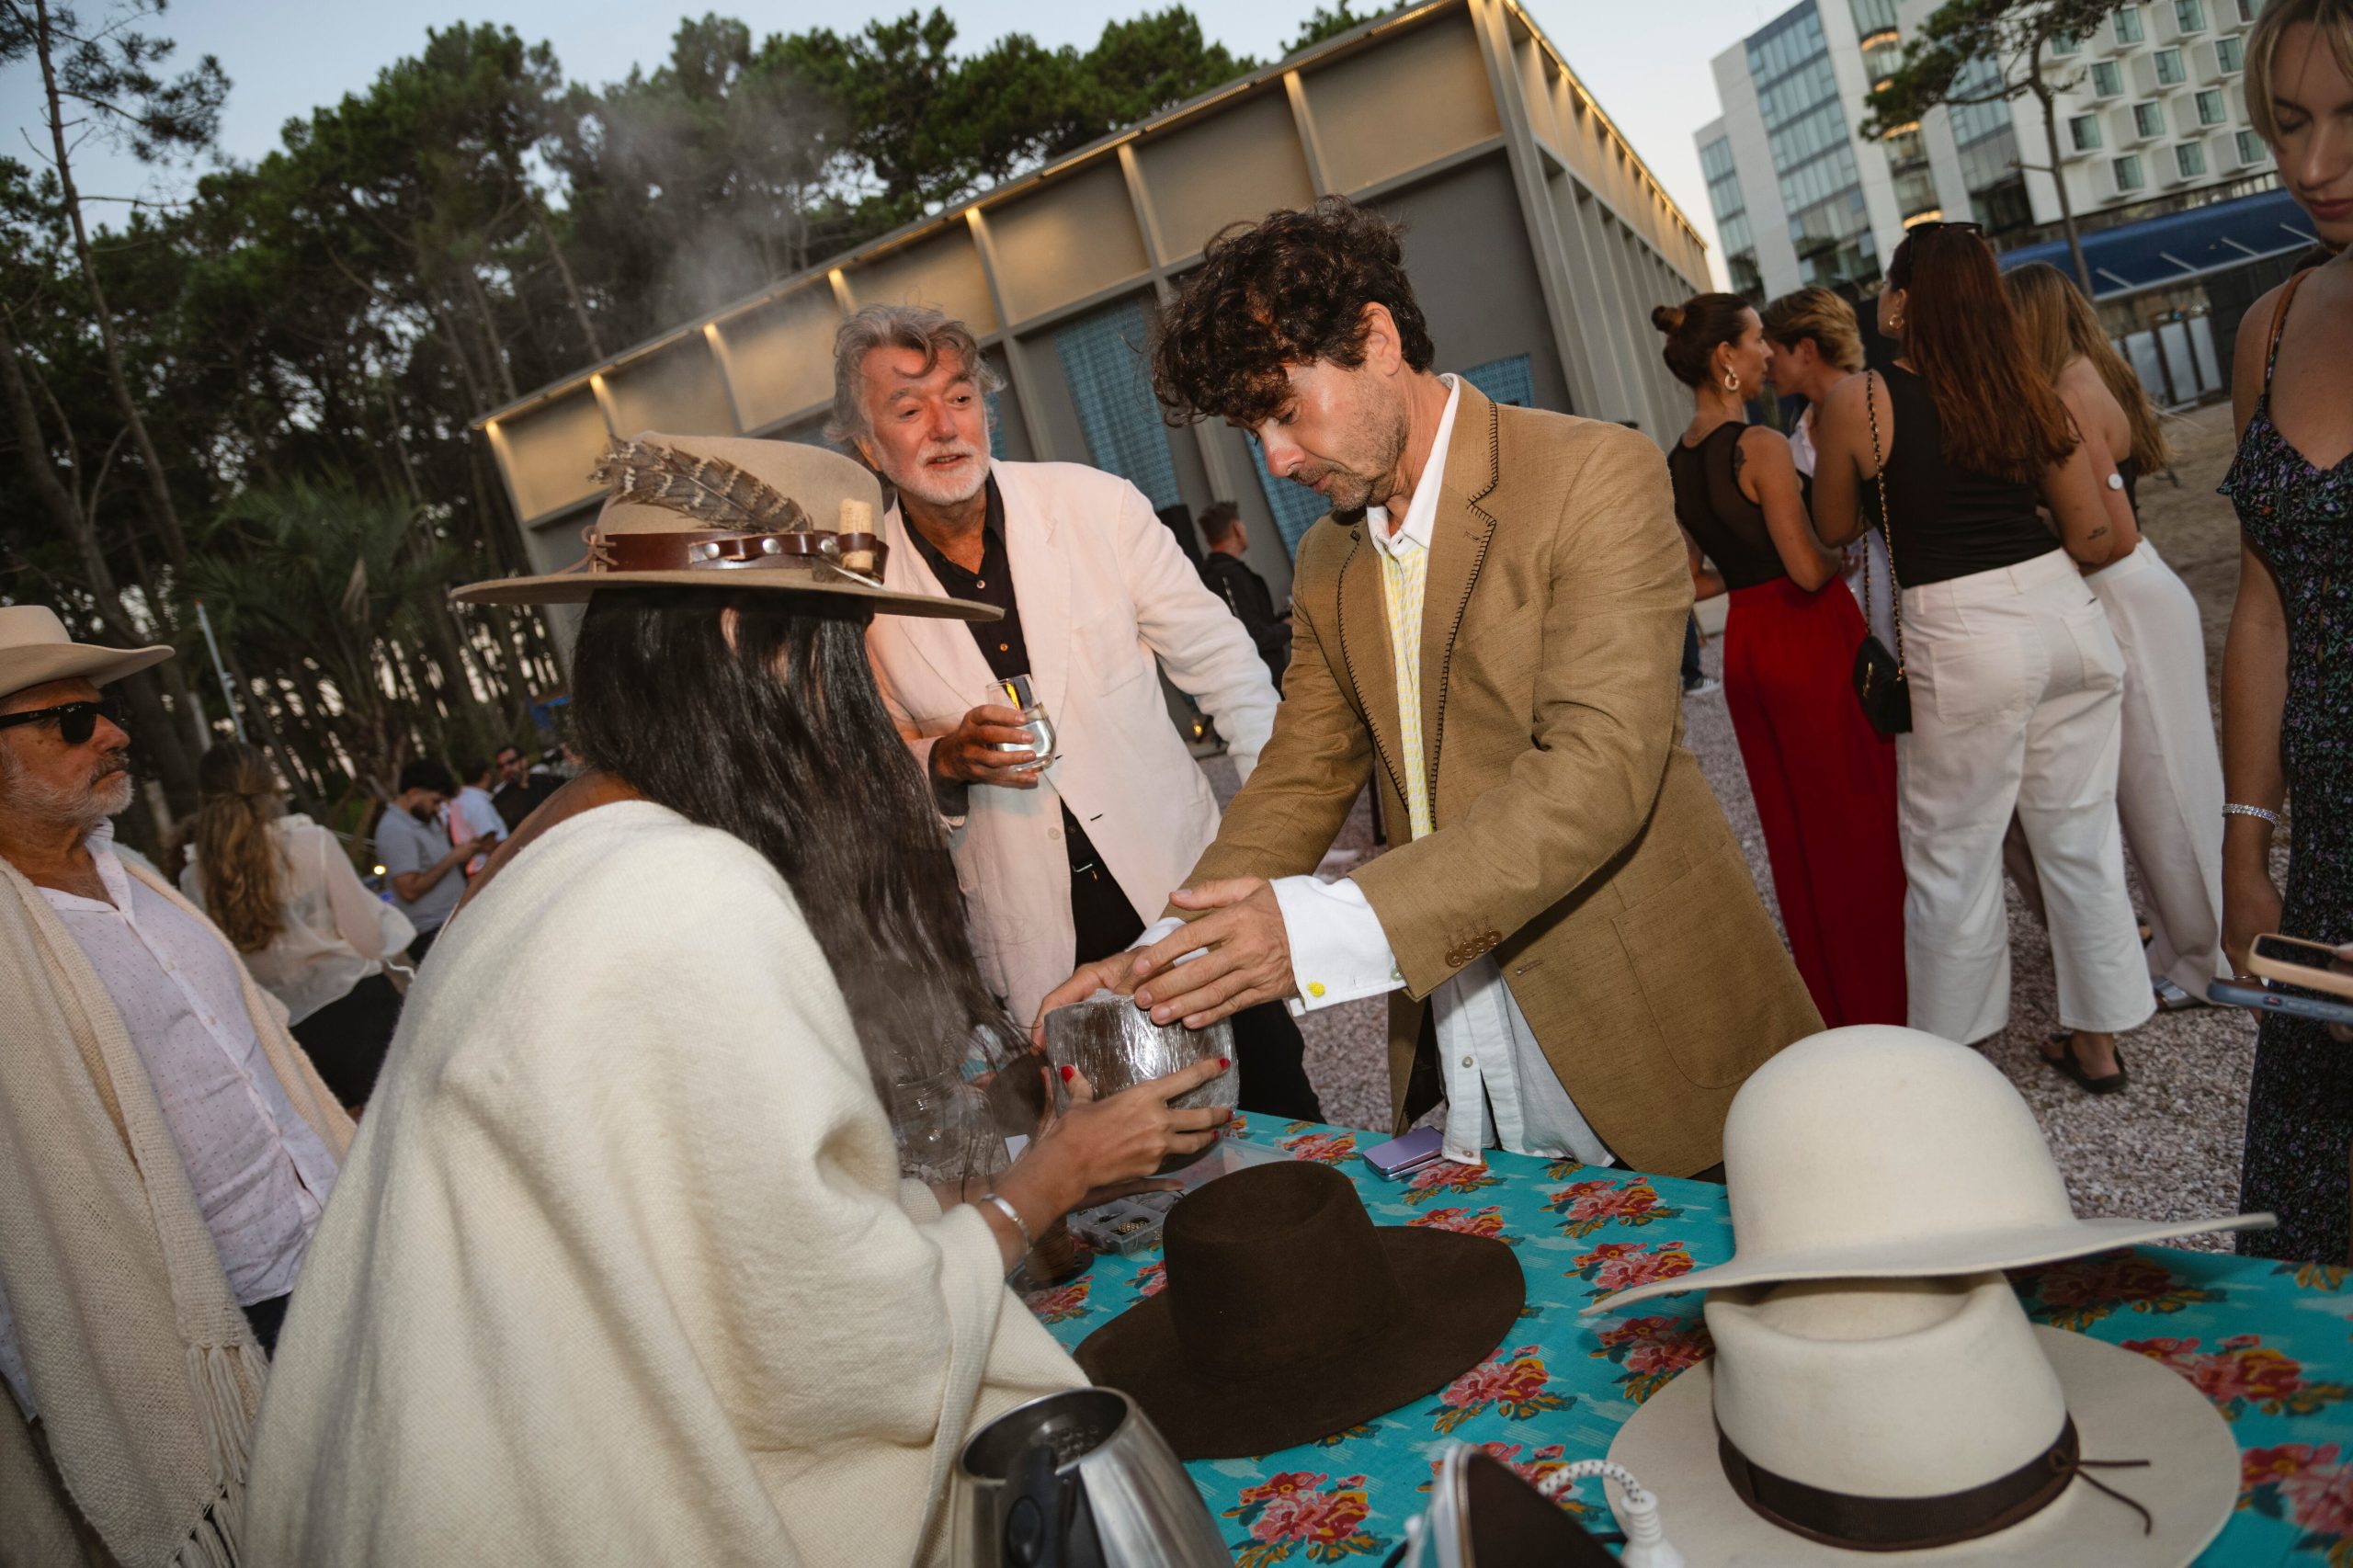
x=1338, y=951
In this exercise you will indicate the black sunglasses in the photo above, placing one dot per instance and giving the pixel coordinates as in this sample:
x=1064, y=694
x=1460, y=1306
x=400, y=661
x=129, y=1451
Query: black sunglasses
x=77, y=722
x=1934, y=224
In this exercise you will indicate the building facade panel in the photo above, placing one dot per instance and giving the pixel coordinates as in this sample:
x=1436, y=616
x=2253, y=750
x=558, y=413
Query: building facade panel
x=1384, y=112
x=1241, y=163
x=944, y=272
x=1073, y=237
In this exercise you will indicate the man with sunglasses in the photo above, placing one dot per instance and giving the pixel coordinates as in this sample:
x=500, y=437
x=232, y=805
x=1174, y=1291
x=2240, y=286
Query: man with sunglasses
x=165, y=1148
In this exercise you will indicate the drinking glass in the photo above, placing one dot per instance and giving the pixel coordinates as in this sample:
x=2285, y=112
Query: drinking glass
x=1017, y=693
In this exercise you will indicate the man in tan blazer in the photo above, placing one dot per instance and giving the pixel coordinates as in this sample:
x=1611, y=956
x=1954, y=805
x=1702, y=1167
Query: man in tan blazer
x=1489, y=625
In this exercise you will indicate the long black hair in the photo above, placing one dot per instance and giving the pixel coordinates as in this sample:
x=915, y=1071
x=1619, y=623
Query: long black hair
x=778, y=736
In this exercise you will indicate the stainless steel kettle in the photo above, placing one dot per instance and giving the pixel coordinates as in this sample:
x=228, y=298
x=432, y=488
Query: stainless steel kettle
x=1079, y=1479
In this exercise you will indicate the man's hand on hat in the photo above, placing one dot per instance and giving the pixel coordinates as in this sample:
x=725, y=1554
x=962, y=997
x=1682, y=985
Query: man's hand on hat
x=1247, y=960
x=969, y=753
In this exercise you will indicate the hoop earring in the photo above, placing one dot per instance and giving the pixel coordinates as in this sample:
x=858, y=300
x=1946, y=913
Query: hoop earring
x=1732, y=381
x=1896, y=324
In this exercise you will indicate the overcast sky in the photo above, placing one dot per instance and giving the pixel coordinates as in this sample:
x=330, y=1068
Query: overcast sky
x=1647, y=63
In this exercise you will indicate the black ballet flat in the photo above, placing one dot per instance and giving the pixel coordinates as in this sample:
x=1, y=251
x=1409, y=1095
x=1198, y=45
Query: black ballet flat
x=2066, y=1064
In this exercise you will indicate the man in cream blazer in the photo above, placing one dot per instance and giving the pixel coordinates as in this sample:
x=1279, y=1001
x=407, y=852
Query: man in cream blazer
x=1057, y=857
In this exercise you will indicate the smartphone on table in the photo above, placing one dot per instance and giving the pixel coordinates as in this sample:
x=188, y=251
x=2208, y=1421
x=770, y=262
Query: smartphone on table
x=1400, y=1157
x=2263, y=999
x=2293, y=961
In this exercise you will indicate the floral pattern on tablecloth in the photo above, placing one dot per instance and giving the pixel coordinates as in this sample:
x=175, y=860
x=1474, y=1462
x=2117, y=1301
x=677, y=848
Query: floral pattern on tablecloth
x=2271, y=1344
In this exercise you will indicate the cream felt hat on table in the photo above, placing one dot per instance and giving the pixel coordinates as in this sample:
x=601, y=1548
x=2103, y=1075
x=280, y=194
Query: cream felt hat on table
x=730, y=512
x=36, y=649
x=1882, y=1152
x=1925, y=1422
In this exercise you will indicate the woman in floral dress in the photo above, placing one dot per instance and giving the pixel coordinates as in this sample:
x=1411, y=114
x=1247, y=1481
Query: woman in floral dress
x=2288, y=666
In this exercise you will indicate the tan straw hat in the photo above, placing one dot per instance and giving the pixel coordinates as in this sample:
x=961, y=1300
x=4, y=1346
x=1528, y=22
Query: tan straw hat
x=1925, y=1421
x=1883, y=1153
x=729, y=512
x=35, y=650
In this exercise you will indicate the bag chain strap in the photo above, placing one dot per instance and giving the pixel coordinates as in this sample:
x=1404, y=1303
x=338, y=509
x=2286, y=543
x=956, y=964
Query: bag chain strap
x=1894, y=588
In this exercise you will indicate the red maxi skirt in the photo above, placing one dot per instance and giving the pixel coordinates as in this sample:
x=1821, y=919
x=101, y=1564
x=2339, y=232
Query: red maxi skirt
x=1824, y=783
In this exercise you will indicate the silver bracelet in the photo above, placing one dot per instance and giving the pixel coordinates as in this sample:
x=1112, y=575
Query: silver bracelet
x=2235, y=810
x=1011, y=1212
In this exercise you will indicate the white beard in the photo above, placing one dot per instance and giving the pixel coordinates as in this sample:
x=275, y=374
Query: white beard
x=925, y=488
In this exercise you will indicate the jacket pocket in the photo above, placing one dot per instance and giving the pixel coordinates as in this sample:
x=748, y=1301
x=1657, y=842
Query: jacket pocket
x=1711, y=968
x=1115, y=659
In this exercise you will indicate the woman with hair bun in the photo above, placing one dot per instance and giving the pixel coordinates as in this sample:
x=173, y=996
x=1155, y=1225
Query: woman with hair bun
x=2017, y=682
x=282, y=891
x=1824, y=783
x=2169, y=784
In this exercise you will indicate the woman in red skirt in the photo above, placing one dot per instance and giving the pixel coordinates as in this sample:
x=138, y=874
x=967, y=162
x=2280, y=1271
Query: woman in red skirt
x=1824, y=781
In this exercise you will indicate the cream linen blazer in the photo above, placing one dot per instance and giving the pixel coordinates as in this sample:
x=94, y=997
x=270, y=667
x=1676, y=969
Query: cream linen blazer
x=1103, y=592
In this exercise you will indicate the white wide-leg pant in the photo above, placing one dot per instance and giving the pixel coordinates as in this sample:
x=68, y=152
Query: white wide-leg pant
x=2016, y=706
x=2170, y=783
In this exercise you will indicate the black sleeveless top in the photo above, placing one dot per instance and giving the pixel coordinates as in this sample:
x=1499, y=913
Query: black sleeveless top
x=1949, y=521
x=1728, y=525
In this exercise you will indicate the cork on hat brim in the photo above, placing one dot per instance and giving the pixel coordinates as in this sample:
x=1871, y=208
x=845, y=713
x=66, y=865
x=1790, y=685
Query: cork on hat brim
x=574, y=588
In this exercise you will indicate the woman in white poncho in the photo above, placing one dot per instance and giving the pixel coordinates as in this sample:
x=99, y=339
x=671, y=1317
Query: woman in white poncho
x=622, y=1267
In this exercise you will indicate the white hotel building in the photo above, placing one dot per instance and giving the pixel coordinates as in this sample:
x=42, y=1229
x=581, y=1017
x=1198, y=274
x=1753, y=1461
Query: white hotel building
x=2149, y=106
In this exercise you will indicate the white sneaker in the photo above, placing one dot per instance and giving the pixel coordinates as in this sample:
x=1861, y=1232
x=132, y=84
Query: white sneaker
x=1706, y=686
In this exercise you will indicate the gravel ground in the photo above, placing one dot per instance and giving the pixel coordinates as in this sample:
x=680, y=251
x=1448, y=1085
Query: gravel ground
x=2169, y=1146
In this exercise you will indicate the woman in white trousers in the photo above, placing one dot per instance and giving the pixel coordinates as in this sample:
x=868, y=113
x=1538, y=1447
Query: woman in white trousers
x=2017, y=679
x=2169, y=788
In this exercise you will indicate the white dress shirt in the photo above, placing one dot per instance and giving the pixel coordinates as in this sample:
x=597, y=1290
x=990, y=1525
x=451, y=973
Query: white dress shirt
x=1488, y=1053
x=335, y=935
x=259, y=1173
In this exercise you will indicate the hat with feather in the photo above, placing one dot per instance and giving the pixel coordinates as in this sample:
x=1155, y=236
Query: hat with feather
x=723, y=511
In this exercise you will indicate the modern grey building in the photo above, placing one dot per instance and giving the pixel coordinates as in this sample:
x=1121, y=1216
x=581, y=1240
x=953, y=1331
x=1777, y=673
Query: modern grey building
x=1537, y=238
x=2149, y=106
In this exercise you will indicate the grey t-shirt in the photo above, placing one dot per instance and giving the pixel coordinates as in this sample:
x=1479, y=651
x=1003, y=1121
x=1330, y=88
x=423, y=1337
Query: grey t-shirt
x=405, y=843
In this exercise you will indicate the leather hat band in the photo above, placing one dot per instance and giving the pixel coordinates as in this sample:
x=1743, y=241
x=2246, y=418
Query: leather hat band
x=1913, y=1524
x=709, y=549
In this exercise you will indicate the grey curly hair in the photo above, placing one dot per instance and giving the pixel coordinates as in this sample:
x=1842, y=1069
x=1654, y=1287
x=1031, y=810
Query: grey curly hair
x=930, y=332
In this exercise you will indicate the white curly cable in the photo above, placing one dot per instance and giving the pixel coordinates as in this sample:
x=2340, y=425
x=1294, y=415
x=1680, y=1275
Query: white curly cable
x=1646, y=1542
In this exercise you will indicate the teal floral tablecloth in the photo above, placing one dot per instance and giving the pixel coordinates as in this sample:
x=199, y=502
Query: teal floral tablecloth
x=2270, y=1344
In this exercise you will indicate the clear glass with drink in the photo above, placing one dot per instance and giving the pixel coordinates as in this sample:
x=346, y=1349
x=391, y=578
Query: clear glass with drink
x=1016, y=692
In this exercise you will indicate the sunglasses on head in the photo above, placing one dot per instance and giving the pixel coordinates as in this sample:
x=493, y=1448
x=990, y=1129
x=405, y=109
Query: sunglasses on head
x=1935, y=224
x=75, y=722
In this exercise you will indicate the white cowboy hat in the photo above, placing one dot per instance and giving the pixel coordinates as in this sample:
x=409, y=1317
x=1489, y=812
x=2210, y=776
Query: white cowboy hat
x=35, y=650
x=1929, y=1418
x=1886, y=1154
x=730, y=512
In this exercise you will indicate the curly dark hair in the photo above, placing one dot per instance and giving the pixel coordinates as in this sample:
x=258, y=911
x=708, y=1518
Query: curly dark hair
x=1288, y=290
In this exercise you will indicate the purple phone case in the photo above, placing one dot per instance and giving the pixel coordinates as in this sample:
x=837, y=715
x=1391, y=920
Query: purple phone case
x=1400, y=1155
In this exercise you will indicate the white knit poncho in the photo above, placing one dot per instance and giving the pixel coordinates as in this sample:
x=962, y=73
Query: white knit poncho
x=620, y=1269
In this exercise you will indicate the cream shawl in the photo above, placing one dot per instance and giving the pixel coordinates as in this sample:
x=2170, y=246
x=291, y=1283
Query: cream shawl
x=145, y=1371
x=620, y=1269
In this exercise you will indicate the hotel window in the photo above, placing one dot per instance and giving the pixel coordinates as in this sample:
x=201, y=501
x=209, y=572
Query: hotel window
x=2230, y=54
x=2108, y=78
x=2191, y=159
x=2085, y=129
x=2210, y=107
x=2190, y=15
x=2251, y=148
x=2169, y=70
x=2128, y=172
x=2065, y=43
x=2128, y=25
x=2149, y=119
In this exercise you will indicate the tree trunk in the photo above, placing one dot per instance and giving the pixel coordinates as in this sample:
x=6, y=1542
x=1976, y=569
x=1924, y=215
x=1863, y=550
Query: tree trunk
x=168, y=515
x=2043, y=96
x=571, y=284
x=487, y=320
x=161, y=739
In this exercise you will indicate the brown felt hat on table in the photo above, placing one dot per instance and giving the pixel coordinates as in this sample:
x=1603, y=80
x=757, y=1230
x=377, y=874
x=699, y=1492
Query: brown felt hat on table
x=1289, y=1316
x=730, y=512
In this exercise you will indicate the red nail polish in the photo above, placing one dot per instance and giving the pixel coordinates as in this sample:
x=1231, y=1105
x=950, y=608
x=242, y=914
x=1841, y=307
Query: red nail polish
x=1223, y=1062
x=1068, y=1073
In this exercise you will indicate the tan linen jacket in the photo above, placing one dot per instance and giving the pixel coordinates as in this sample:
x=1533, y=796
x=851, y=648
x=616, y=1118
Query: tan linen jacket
x=1574, y=838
